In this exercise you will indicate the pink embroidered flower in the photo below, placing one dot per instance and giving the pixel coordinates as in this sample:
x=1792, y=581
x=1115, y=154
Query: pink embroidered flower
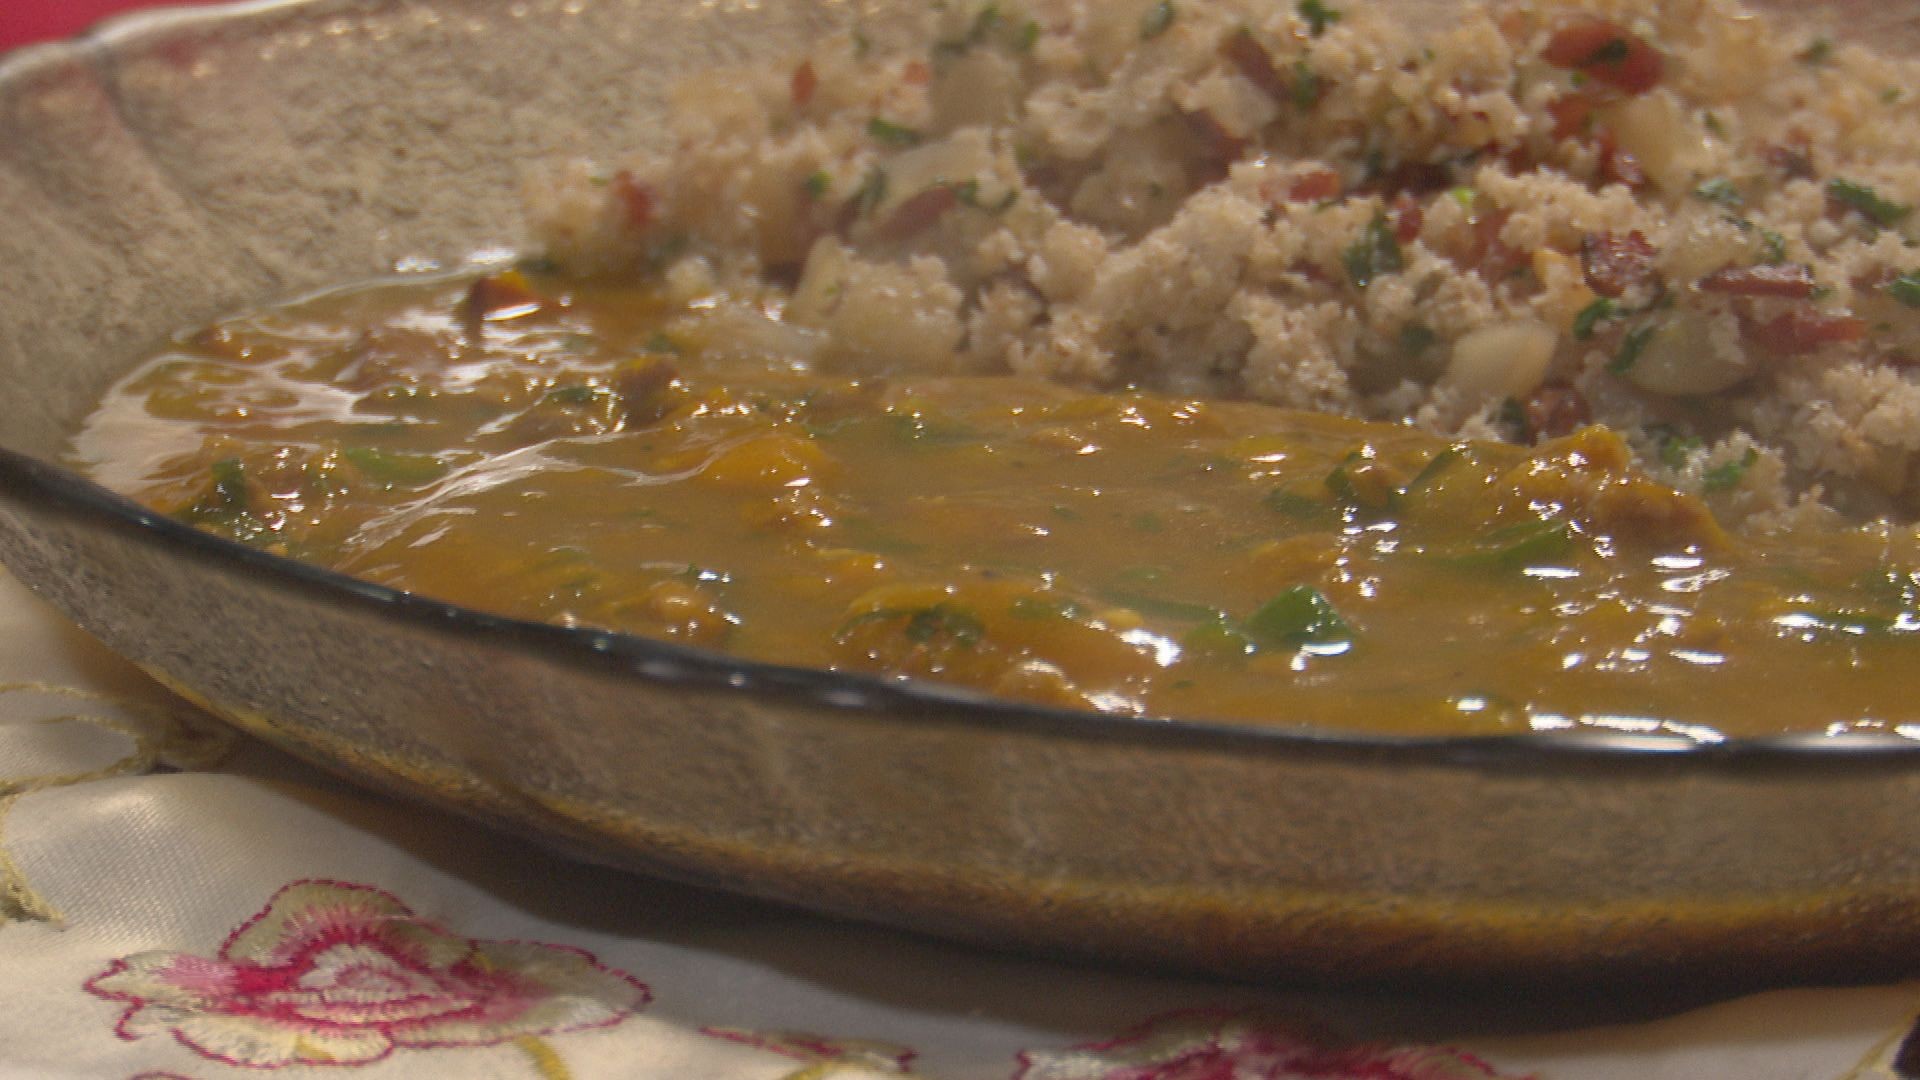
x=1225, y=1046
x=338, y=974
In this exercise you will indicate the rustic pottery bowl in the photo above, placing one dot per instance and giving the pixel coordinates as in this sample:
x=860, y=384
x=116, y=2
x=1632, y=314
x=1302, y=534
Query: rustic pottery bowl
x=174, y=167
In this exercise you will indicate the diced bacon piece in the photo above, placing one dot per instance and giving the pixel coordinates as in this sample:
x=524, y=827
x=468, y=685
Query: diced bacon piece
x=1572, y=115
x=1315, y=186
x=1252, y=61
x=1790, y=282
x=916, y=73
x=1488, y=253
x=805, y=82
x=1803, y=330
x=1555, y=409
x=1607, y=53
x=917, y=213
x=1614, y=263
x=1792, y=158
x=1218, y=148
x=1407, y=216
x=637, y=197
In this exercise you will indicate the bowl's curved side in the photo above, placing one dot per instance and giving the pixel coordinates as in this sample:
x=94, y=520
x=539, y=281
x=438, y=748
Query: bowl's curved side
x=192, y=164
x=1222, y=854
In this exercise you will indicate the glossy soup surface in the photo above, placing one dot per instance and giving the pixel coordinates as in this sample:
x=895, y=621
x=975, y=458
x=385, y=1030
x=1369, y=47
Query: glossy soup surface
x=590, y=455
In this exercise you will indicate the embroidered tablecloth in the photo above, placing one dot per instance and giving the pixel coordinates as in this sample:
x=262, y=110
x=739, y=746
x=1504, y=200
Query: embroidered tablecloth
x=176, y=902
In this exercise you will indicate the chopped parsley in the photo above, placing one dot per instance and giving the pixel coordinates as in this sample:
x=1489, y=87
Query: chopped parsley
x=1306, y=86
x=1817, y=52
x=944, y=622
x=1631, y=346
x=1376, y=252
x=886, y=131
x=1870, y=203
x=1676, y=450
x=1416, y=338
x=1773, y=247
x=871, y=192
x=1728, y=476
x=1720, y=191
x=817, y=184
x=1298, y=616
x=1906, y=288
x=1612, y=52
x=1591, y=316
x=1318, y=16
x=1157, y=20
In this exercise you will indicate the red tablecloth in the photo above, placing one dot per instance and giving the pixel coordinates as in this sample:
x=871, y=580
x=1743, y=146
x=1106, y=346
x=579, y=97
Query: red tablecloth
x=22, y=21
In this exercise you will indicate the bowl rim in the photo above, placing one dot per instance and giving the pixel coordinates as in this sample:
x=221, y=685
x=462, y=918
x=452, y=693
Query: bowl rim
x=33, y=479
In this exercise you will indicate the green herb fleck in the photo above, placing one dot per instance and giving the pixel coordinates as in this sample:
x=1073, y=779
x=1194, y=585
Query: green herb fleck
x=1216, y=639
x=871, y=192
x=1721, y=191
x=1773, y=247
x=1631, y=346
x=1306, y=86
x=228, y=504
x=1374, y=254
x=1890, y=95
x=1612, y=53
x=1513, y=547
x=1711, y=121
x=1591, y=316
x=1465, y=196
x=1906, y=288
x=1157, y=19
x=1439, y=463
x=1296, y=617
x=1677, y=450
x=944, y=622
x=818, y=184
x=1029, y=34
x=1728, y=476
x=391, y=469
x=1870, y=203
x=892, y=134
x=1416, y=338
x=1818, y=51
x=1318, y=16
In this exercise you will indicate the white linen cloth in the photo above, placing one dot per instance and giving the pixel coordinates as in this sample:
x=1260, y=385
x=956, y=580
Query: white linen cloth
x=169, y=910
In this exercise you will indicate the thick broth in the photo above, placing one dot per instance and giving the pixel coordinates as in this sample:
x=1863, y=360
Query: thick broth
x=593, y=455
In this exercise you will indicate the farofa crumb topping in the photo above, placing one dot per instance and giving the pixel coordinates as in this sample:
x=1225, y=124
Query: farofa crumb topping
x=1692, y=227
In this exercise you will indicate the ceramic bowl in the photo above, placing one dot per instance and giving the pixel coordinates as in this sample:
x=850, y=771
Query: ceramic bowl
x=175, y=167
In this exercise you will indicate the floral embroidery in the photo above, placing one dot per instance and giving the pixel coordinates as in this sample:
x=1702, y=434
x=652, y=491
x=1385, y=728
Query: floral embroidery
x=1229, y=1046
x=339, y=974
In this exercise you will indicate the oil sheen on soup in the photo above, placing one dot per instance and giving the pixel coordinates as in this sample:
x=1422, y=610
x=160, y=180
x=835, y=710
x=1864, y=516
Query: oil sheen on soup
x=593, y=454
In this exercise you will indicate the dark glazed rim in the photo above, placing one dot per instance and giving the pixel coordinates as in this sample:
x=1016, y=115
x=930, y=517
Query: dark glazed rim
x=32, y=480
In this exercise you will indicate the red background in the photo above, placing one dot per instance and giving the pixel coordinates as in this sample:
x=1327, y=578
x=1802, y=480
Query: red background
x=22, y=21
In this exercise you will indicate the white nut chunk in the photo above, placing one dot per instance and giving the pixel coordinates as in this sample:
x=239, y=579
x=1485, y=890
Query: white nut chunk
x=1685, y=354
x=1505, y=360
